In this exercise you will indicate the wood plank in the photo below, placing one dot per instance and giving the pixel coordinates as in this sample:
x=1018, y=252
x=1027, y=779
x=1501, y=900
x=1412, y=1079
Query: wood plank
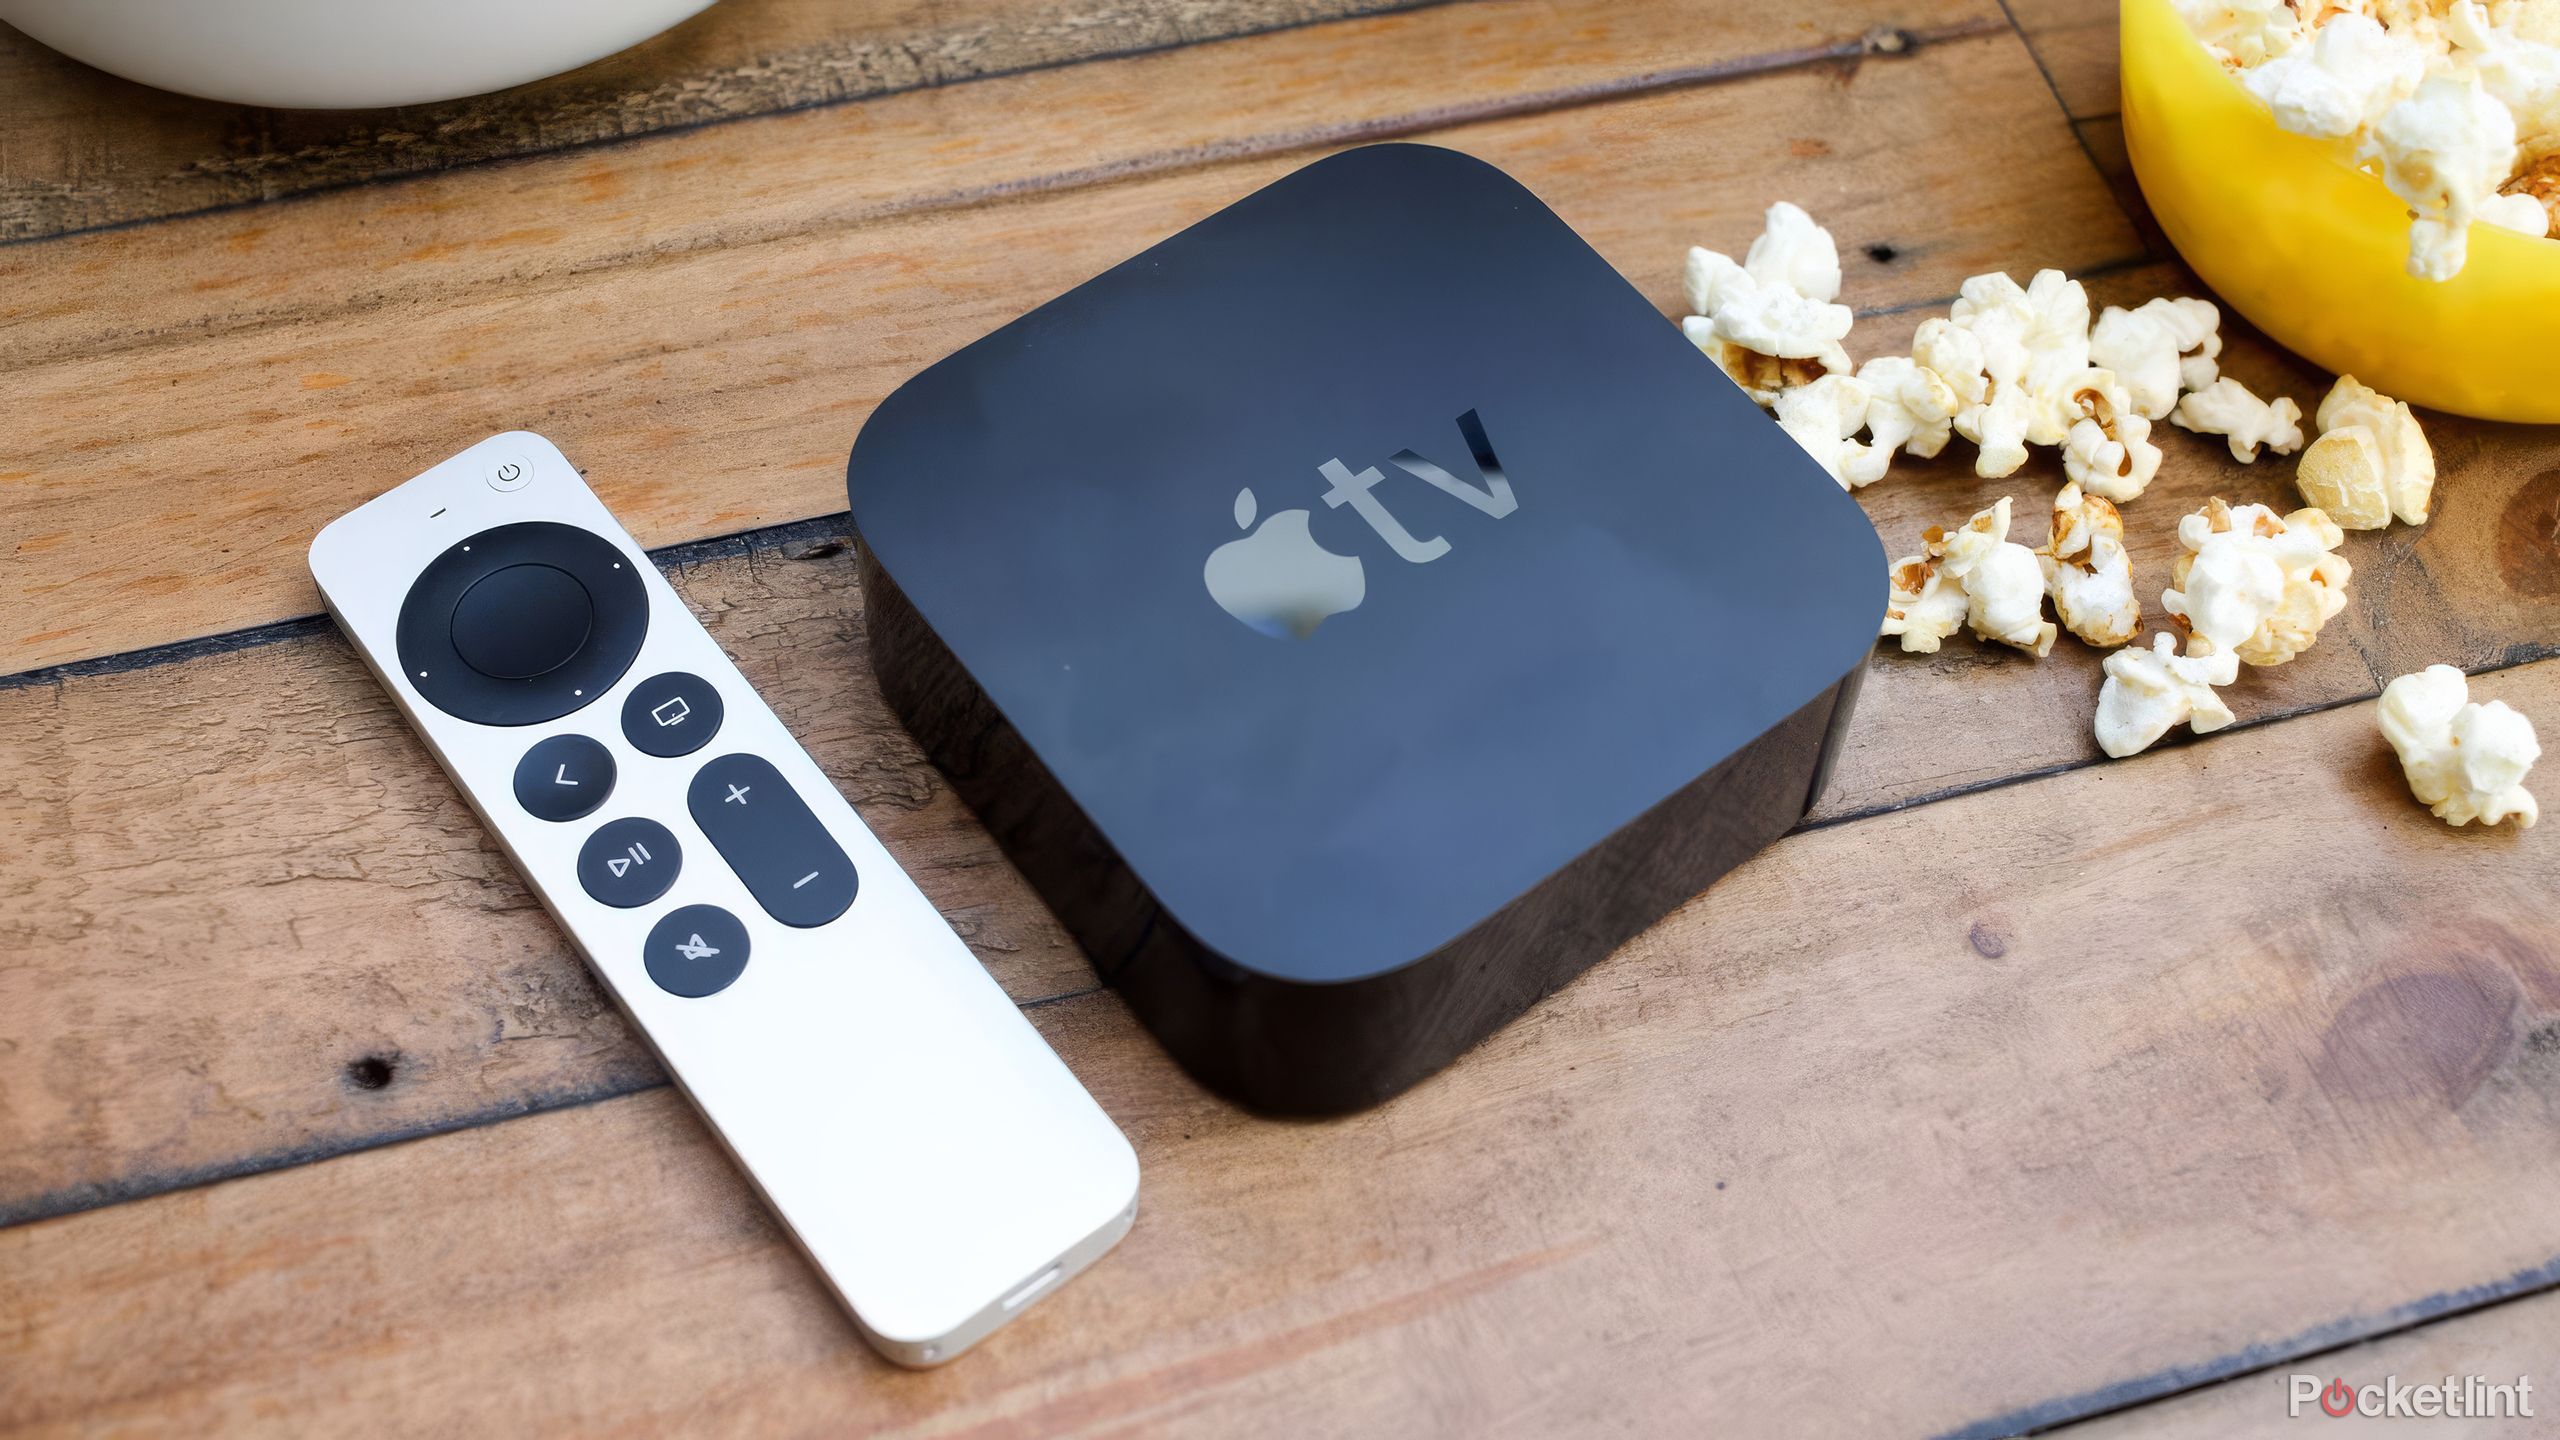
x=153, y=805
x=2477, y=586
x=1931, y=1153
x=716, y=388
x=84, y=149
x=2075, y=42
x=2498, y=1343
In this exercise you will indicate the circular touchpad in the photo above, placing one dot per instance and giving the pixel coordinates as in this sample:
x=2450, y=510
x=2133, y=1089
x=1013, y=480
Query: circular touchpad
x=523, y=621
x=523, y=624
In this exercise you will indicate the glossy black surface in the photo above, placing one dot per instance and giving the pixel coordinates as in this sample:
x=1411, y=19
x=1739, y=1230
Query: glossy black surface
x=769, y=836
x=671, y=714
x=521, y=624
x=566, y=777
x=1605, y=612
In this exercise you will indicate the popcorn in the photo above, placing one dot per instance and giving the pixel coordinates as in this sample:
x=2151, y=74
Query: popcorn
x=2107, y=449
x=2464, y=761
x=2519, y=73
x=2000, y=581
x=2149, y=691
x=2521, y=213
x=2540, y=180
x=2243, y=32
x=2226, y=408
x=1909, y=404
x=2371, y=461
x=2340, y=82
x=2255, y=584
x=2443, y=150
x=2033, y=341
x=1754, y=322
x=1927, y=604
x=2442, y=98
x=2087, y=572
x=1794, y=252
x=1823, y=418
x=2158, y=349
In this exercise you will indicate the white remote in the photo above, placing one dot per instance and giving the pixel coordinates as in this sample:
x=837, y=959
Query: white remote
x=933, y=1158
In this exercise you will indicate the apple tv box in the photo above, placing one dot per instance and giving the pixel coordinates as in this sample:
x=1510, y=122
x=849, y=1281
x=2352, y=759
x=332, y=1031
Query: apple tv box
x=1357, y=615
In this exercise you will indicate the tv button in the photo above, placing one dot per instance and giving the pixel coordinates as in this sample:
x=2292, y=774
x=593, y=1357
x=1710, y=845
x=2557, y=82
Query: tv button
x=672, y=714
x=769, y=836
x=696, y=951
x=564, y=778
x=628, y=863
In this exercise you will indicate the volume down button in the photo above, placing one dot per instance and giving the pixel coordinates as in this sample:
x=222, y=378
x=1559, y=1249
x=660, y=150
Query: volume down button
x=768, y=835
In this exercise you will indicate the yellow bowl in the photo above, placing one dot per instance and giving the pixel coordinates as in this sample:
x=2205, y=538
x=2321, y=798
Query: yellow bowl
x=2313, y=251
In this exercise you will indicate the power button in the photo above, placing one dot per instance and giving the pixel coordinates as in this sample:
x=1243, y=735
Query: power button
x=509, y=472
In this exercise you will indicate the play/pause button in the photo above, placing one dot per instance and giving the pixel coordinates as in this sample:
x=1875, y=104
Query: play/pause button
x=629, y=862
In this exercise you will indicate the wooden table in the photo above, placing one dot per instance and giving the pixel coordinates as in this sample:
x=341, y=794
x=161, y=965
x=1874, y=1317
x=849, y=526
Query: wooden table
x=2019, y=1089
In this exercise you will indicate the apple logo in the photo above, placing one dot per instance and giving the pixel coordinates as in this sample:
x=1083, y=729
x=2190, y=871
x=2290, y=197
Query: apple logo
x=1277, y=579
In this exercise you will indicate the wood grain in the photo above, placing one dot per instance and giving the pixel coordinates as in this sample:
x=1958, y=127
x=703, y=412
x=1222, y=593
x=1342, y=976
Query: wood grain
x=2075, y=41
x=717, y=388
x=2498, y=1343
x=85, y=149
x=2065, y=1094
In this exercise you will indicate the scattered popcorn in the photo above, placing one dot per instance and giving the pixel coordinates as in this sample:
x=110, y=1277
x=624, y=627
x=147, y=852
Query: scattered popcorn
x=1824, y=418
x=1794, y=252
x=2087, y=571
x=2341, y=473
x=2158, y=349
x=1927, y=604
x=2255, y=584
x=2000, y=581
x=1755, y=323
x=2464, y=761
x=2107, y=448
x=2340, y=82
x=2226, y=408
x=1909, y=404
x=2147, y=692
x=2443, y=150
x=2371, y=461
x=2032, y=340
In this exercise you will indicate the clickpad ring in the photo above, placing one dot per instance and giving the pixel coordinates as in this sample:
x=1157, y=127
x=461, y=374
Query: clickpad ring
x=522, y=624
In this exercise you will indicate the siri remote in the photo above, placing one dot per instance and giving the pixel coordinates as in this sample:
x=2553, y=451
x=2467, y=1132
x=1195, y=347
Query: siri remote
x=933, y=1158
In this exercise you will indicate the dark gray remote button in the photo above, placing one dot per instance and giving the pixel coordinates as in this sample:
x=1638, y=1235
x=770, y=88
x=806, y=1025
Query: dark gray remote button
x=523, y=621
x=671, y=714
x=769, y=836
x=696, y=951
x=564, y=778
x=628, y=863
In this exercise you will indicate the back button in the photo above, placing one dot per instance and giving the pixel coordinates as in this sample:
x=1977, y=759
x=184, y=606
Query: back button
x=564, y=778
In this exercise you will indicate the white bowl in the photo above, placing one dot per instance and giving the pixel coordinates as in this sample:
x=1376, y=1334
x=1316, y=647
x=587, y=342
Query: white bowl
x=335, y=54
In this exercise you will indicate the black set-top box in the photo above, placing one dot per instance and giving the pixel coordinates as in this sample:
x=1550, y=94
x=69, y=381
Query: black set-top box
x=1357, y=615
